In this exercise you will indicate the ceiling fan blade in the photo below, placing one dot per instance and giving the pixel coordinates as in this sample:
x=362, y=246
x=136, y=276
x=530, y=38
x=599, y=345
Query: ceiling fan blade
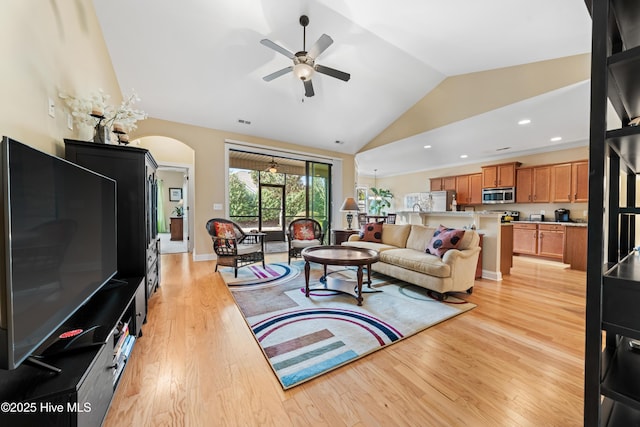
x=320, y=46
x=278, y=73
x=268, y=43
x=308, y=88
x=333, y=72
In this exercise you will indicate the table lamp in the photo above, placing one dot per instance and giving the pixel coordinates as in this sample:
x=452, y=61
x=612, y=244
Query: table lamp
x=349, y=206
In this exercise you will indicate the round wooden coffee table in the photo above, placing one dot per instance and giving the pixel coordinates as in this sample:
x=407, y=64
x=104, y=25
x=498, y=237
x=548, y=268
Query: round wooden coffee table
x=344, y=256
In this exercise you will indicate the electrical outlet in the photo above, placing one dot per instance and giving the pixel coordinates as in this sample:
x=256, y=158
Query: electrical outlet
x=217, y=206
x=542, y=212
x=52, y=108
x=585, y=213
x=69, y=121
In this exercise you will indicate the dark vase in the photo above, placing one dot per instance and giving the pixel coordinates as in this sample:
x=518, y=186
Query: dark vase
x=101, y=135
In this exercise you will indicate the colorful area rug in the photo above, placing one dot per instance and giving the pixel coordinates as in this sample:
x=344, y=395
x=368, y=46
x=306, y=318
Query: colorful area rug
x=306, y=337
x=254, y=275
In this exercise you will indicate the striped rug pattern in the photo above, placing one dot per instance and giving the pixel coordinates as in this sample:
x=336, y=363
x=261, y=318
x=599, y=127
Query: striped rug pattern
x=255, y=275
x=306, y=337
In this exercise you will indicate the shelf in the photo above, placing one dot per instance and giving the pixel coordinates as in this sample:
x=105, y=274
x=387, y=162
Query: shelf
x=629, y=211
x=620, y=381
x=627, y=14
x=626, y=142
x=621, y=297
x=624, y=67
x=617, y=414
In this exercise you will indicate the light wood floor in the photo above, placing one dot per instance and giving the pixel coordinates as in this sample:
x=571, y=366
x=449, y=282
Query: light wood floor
x=515, y=360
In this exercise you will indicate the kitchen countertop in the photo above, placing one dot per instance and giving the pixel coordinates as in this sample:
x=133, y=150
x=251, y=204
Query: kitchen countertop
x=568, y=224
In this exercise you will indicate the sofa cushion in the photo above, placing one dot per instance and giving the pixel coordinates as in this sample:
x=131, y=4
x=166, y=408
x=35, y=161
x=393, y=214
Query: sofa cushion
x=395, y=234
x=368, y=245
x=418, y=261
x=471, y=239
x=419, y=237
x=305, y=243
x=444, y=239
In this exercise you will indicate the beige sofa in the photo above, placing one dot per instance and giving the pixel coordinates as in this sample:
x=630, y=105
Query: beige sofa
x=403, y=256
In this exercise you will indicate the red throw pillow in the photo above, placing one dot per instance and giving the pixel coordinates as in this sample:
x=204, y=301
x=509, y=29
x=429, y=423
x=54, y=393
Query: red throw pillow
x=444, y=239
x=224, y=229
x=303, y=230
x=372, y=232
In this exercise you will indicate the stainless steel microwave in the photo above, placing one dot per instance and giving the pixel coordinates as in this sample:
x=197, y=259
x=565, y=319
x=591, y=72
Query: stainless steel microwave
x=498, y=195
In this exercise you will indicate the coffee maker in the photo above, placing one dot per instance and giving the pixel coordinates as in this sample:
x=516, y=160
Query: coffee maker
x=562, y=215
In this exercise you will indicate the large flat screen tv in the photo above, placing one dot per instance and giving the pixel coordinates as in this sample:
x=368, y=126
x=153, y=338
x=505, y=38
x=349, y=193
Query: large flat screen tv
x=59, y=232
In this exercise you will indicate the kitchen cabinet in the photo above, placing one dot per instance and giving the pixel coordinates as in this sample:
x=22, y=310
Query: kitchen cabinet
x=570, y=182
x=444, y=183
x=533, y=184
x=575, y=248
x=543, y=240
x=475, y=189
x=525, y=239
x=524, y=185
x=580, y=181
x=469, y=189
x=551, y=240
x=502, y=175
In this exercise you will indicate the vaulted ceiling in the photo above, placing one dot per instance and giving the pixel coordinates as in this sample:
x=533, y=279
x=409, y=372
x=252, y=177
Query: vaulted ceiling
x=201, y=63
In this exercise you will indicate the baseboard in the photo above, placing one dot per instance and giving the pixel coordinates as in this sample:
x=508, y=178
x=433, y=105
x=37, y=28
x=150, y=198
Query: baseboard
x=204, y=257
x=492, y=275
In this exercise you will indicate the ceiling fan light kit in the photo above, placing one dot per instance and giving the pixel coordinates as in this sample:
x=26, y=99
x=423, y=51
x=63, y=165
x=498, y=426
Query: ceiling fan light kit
x=304, y=66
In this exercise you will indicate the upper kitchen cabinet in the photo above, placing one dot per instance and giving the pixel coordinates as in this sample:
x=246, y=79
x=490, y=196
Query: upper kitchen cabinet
x=570, y=182
x=444, y=183
x=533, y=184
x=469, y=189
x=502, y=175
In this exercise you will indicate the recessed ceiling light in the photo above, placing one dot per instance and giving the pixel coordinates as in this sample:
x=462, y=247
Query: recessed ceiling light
x=427, y=146
x=524, y=122
x=463, y=156
x=556, y=139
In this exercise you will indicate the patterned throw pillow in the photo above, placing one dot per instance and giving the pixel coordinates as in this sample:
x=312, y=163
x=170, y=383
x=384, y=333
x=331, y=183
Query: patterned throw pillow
x=303, y=230
x=444, y=239
x=226, y=230
x=372, y=232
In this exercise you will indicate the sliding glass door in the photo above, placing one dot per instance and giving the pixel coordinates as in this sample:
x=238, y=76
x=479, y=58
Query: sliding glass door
x=272, y=204
x=266, y=193
x=319, y=194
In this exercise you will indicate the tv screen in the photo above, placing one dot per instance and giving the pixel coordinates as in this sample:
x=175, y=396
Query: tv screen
x=59, y=225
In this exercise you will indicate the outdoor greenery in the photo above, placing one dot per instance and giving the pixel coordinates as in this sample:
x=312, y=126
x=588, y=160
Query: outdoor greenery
x=380, y=201
x=243, y=197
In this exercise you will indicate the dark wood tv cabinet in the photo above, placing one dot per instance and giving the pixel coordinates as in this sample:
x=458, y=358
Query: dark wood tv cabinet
x=80, y=395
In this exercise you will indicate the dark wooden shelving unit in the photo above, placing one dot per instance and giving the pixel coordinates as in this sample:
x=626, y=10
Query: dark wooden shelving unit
x=134, y=170
x=83, y=390
x=612, y=367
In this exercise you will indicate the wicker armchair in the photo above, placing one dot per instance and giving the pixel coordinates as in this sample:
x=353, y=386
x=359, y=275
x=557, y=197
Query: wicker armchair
x=233, y=247
x=302, y=233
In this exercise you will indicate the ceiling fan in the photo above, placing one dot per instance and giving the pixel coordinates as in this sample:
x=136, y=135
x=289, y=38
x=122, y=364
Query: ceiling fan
x=304, y=64
x=273, y=166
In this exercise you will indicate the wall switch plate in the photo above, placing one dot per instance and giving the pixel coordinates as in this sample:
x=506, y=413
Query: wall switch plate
x=217, y=206
x=52, y=108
